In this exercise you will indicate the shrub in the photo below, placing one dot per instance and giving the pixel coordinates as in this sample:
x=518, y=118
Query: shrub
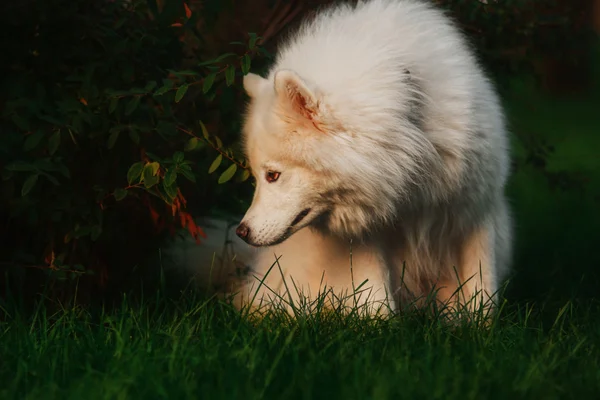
x=107, y=132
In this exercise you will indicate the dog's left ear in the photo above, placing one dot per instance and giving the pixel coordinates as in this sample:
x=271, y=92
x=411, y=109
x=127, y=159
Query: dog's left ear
x=293, y=92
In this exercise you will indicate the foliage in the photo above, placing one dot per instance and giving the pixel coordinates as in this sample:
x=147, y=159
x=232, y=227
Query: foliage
x=106, y=129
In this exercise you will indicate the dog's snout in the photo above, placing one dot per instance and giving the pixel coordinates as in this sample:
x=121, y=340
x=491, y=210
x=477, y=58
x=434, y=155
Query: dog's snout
x=243, y=231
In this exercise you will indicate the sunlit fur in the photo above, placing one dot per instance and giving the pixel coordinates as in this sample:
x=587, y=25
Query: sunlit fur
x=380, y=121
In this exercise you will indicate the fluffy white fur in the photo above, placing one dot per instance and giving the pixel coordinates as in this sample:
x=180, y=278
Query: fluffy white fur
x=381, y=124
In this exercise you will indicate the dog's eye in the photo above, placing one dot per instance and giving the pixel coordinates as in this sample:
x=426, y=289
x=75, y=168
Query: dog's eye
x=272, y=176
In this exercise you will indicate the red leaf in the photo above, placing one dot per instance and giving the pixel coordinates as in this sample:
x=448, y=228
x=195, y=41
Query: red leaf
x=188, y=12
x=182, y=219
x=195, y=230
x=154, y=215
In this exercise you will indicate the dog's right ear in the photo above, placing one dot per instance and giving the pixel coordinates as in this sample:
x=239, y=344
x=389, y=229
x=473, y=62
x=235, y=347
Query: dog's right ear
x=295, y=94
x=253, y=84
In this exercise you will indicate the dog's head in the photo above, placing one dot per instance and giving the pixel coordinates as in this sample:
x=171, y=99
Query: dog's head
x=284, y=117
x=308, y=165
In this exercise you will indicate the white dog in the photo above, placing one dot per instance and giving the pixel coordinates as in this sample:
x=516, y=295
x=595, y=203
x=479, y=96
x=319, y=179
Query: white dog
x=380, y=155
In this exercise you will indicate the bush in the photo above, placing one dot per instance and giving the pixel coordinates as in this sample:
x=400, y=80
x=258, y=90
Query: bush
x=107, y=132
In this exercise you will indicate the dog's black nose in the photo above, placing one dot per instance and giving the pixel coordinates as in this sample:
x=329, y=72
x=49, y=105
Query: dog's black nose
x=243, y=231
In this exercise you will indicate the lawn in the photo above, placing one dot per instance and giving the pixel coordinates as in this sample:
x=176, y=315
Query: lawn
x=544, y=344
x=194, y=349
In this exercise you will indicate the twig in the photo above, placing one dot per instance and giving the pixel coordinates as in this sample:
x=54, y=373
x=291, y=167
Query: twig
x=224, y=154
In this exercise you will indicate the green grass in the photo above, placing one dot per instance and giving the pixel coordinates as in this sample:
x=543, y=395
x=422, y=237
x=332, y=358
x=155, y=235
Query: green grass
x=195, y=349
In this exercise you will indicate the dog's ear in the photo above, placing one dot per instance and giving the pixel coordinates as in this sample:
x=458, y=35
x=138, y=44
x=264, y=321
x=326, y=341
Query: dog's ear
x=253, y=83
x=295, y=94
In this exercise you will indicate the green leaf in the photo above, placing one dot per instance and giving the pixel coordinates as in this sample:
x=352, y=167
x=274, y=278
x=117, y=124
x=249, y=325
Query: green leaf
x=136, y=90
x=112, y=139
x=150, y=86
x=154, y=166
x=135, y=171
x=185, y=72
x=20, y=166
x=22, y=123
x=243, y=176
x=149, y=174
x=170, y=189
x=115, y=93
x=112, y=106
x=252, y=41
x=218, y=142
x=46, y=164
x=132, y=105
x=120, y=194
x=265, y=52
x=153, y=156
x=170, y=177
x=54, y=142
x=51, y=178
x=187, y=173
x=216, y=60
x=134, y=136
x=120, y=23
x=96, y=232
x=60, y=275
x=181, y=92
x=178, y=157
x=87, y=117
x=51, y=119
x=208, y=82
x=162, y=90
x=230, y=75
x=228, y=174
x=63, y=170
x=79, y=267
x=201, y=144
x=204, y=130
x=29, y=184
x=150, y=181
x=77, y=123
x=215, y=164
x=167, y=85
x=32, y=140
x=191, y=144
x=246, y=64
x=165, y=128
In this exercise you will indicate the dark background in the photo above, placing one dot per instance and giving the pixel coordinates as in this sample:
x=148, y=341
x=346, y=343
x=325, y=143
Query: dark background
x=79, y=103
